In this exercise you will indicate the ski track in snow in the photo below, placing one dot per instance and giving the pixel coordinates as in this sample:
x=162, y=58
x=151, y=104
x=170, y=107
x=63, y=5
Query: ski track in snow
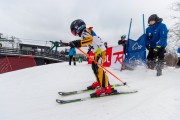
x=30, y=94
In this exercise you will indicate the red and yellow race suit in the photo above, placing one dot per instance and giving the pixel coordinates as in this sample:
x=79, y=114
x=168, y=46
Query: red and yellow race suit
x=89, y=37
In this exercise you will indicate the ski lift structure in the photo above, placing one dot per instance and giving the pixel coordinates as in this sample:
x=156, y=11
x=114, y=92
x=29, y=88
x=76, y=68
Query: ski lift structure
x=9, y=41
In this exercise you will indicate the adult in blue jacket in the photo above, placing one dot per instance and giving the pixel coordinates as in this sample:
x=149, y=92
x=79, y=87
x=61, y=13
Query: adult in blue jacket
x=156, y=40
x=72, y=53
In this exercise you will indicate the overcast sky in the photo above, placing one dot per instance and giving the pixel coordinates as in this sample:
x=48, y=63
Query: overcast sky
x=50, y=20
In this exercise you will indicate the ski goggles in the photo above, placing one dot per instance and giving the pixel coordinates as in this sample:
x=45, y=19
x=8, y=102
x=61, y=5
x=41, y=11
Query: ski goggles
x=74, y=33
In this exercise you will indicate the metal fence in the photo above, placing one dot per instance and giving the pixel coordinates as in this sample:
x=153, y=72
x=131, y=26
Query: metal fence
x=52, y=55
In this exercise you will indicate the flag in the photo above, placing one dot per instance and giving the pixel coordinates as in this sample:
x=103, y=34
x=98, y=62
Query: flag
x=135, y=52
x=114, y=57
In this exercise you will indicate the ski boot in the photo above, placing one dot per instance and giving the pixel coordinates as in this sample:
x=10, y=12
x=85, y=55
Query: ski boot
x=93, y=86
x=151, y=64
x=103, y=91
x=159, y=72
x=159, y=67
x=74, y=63
x=113, y=89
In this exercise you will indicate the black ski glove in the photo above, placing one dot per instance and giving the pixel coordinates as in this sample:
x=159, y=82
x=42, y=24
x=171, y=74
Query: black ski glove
x=75, y=43
x=155, y=50
x=147, y=47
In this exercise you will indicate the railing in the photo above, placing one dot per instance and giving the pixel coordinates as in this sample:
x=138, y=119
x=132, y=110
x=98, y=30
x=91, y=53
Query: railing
x=51, y=55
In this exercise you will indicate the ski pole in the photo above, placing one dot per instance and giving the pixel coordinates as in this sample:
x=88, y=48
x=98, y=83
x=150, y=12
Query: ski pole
x=124, y=83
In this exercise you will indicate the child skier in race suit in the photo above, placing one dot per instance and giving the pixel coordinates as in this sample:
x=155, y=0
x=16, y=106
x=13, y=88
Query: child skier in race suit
x=156, y=41
x=89, y=37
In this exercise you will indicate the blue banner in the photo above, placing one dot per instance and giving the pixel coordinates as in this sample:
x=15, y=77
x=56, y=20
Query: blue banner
x=135, y=52
x=178, y=50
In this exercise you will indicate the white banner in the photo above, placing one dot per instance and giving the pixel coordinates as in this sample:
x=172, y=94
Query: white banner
x=115, y=56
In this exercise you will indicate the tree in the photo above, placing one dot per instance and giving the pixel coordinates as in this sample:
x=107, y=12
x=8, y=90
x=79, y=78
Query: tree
x=174, y=31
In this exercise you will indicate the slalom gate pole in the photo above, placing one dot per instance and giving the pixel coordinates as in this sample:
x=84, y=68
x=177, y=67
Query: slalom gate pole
x=144, y=25
x=128, y=36
x=129, y=28
x=124, y=83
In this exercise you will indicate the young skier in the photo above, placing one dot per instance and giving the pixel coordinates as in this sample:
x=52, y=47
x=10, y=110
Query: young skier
x=72, y=53
x=89, y=37
x=156, y=41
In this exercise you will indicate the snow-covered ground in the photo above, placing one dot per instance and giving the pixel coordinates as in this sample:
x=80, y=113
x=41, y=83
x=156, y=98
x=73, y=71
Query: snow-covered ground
x=30, y=94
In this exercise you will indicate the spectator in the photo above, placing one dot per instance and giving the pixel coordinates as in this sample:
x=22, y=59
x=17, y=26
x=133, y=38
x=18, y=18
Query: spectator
x=80, y=59
x=72, y=53
x=123, y=42
x=178, y=53
x=156, y=41
x=105, y=44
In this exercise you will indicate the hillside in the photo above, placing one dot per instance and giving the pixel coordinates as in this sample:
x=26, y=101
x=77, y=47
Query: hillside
x=30, y=94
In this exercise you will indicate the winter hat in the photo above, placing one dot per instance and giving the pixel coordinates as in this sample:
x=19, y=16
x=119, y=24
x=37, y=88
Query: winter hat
x=154, y=17
x=123, y=36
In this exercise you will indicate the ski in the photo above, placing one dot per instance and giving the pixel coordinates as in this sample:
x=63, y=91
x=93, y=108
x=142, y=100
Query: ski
x=82, y=91
x=88, y=98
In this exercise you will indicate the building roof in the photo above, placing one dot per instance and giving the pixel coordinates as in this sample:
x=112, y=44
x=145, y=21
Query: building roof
x=30, y=45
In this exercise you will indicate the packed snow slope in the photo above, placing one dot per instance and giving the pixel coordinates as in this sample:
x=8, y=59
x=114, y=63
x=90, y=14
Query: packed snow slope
x=30, y=94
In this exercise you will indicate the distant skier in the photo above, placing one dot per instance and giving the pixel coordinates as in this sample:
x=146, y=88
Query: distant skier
x=156, y=41
x=72, y=53
x=89, y=37
x=105, y=44
x=80, y=59
x=123, y=42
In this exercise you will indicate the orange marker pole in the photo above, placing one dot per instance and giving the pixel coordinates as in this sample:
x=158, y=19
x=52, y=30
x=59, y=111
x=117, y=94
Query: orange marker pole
x=124, y=83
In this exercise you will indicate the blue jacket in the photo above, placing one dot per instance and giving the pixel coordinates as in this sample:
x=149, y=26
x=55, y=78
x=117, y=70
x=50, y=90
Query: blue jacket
x=72, y=51
x=156, y=35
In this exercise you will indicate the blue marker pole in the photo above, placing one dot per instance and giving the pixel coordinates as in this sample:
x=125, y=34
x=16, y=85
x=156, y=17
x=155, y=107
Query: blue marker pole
x=144, y=25
x=129, y=29
x=128, y=37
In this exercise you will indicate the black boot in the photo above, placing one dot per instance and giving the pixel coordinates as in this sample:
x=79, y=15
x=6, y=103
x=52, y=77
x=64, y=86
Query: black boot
x=151, y=64
x=114, y=90
x=159, y=67
x=90, y=88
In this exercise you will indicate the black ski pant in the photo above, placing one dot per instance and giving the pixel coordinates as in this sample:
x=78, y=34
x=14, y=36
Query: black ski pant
x=156, y=55
x=71, y=57
x=152, y=56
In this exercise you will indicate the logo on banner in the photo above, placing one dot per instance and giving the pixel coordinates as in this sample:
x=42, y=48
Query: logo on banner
x=119, y=57
x=107, y=63
x=91, y=54
x=114, y=57
x=132, y=59
x=136, y=46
